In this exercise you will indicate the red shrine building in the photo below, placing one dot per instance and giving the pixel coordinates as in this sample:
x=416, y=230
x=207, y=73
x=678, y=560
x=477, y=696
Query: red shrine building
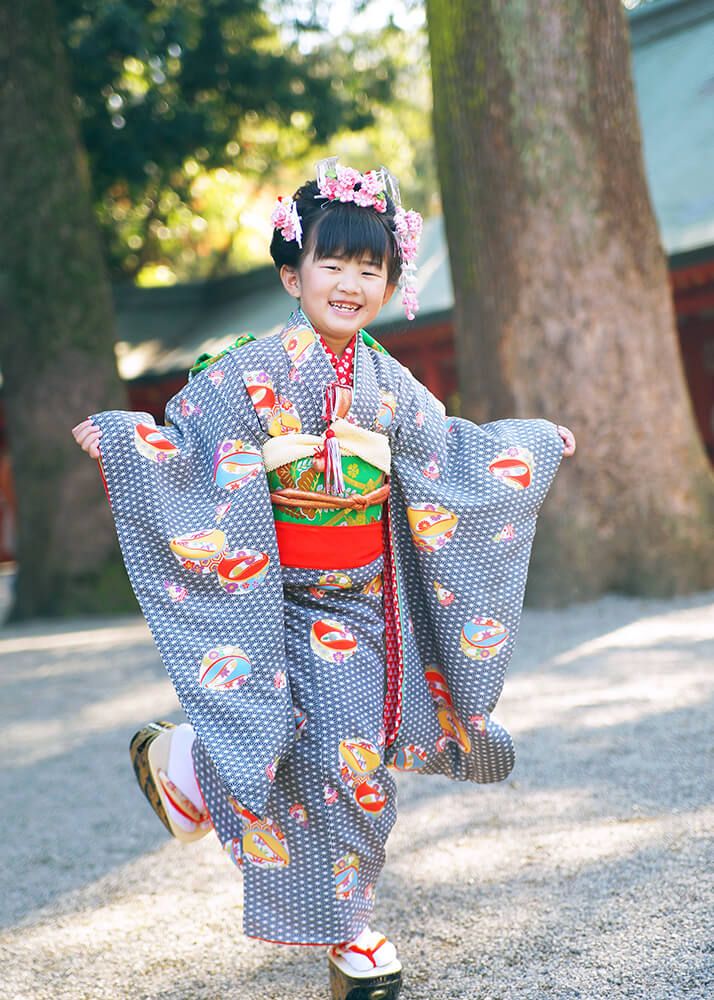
x=163, y=330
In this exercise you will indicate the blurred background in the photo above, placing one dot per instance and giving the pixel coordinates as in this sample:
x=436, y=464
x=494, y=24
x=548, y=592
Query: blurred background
x=562, y=157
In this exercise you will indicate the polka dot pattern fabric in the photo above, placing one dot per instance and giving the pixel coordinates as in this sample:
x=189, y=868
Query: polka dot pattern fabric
x=312, y=862
x=342, y=365
x=462, y=515
x=259, y=657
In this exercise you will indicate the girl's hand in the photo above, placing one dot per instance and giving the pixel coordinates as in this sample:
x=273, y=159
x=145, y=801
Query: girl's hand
x=568, y=441
x=87, y=436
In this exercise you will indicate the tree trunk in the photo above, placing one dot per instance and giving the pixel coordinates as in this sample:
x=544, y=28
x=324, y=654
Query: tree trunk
x=563, y=306
x=56, y=329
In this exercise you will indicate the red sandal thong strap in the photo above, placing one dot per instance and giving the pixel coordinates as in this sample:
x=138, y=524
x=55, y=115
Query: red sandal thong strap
x=182, y=803
x=367, y=952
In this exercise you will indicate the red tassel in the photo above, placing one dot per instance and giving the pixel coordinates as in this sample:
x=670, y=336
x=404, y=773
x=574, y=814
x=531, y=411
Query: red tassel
x=328, y=458
x=334, y=482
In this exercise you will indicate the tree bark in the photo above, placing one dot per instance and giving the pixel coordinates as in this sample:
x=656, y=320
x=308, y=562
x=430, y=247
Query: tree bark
x=56, y=329
x=563, y=307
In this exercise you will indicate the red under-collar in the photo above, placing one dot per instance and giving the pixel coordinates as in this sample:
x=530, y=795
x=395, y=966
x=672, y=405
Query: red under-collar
x=344, y=366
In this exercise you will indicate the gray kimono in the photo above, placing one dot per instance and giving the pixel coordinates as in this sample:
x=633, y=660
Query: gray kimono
x=305, y=686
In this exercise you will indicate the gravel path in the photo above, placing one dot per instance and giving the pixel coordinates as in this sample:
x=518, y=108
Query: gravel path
x=586, y=875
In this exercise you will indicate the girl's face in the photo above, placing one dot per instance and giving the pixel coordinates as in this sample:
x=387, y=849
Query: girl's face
x=338, y=296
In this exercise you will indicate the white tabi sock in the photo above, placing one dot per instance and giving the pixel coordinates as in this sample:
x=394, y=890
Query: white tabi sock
x=384, y=954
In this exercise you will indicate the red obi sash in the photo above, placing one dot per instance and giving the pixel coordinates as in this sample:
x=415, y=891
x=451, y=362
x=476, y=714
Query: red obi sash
x=311, y=546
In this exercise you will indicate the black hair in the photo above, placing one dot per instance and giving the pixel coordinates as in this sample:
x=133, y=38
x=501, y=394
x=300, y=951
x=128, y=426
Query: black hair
x=339, y=229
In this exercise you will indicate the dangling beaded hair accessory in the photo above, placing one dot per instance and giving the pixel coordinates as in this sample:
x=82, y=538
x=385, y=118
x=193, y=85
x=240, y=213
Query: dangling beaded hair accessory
x=408, y=225
x=368, y=190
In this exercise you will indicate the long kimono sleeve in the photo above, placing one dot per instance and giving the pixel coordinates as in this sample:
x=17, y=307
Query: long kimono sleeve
x=463, y=511
x=194, y=520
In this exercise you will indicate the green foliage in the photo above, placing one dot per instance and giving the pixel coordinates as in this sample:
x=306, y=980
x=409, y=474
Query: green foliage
x=167, y=92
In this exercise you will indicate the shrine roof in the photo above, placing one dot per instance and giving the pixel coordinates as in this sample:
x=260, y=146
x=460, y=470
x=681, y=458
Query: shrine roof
x=161, y=331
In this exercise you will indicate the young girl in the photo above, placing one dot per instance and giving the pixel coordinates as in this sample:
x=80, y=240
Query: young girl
x=333, y=571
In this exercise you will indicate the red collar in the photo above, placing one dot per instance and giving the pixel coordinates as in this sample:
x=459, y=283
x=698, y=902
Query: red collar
x=344, y=366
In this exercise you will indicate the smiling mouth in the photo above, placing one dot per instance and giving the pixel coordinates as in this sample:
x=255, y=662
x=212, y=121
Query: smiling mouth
x=345, y=307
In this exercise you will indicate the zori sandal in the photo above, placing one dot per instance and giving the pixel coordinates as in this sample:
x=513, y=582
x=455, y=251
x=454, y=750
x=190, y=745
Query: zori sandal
x=365, y=969
x=149, y=752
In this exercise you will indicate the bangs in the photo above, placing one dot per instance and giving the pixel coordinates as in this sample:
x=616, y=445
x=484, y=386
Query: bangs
x=347, y=231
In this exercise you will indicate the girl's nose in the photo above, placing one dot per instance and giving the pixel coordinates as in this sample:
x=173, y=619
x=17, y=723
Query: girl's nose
x=347, y=283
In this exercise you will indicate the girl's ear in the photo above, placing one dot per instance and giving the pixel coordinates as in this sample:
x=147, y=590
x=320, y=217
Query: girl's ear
x=388, y=293
x=291, y=280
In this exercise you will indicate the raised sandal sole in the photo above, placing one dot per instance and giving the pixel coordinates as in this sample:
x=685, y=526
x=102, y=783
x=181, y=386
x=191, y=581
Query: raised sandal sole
x=139, y=753
x=377, y=987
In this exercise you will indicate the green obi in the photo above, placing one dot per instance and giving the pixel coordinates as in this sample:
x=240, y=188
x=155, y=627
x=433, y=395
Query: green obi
x=360, y=477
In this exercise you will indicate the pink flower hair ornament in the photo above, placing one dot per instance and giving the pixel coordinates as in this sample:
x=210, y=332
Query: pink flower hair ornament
x=285, y=218
x=368, y=190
